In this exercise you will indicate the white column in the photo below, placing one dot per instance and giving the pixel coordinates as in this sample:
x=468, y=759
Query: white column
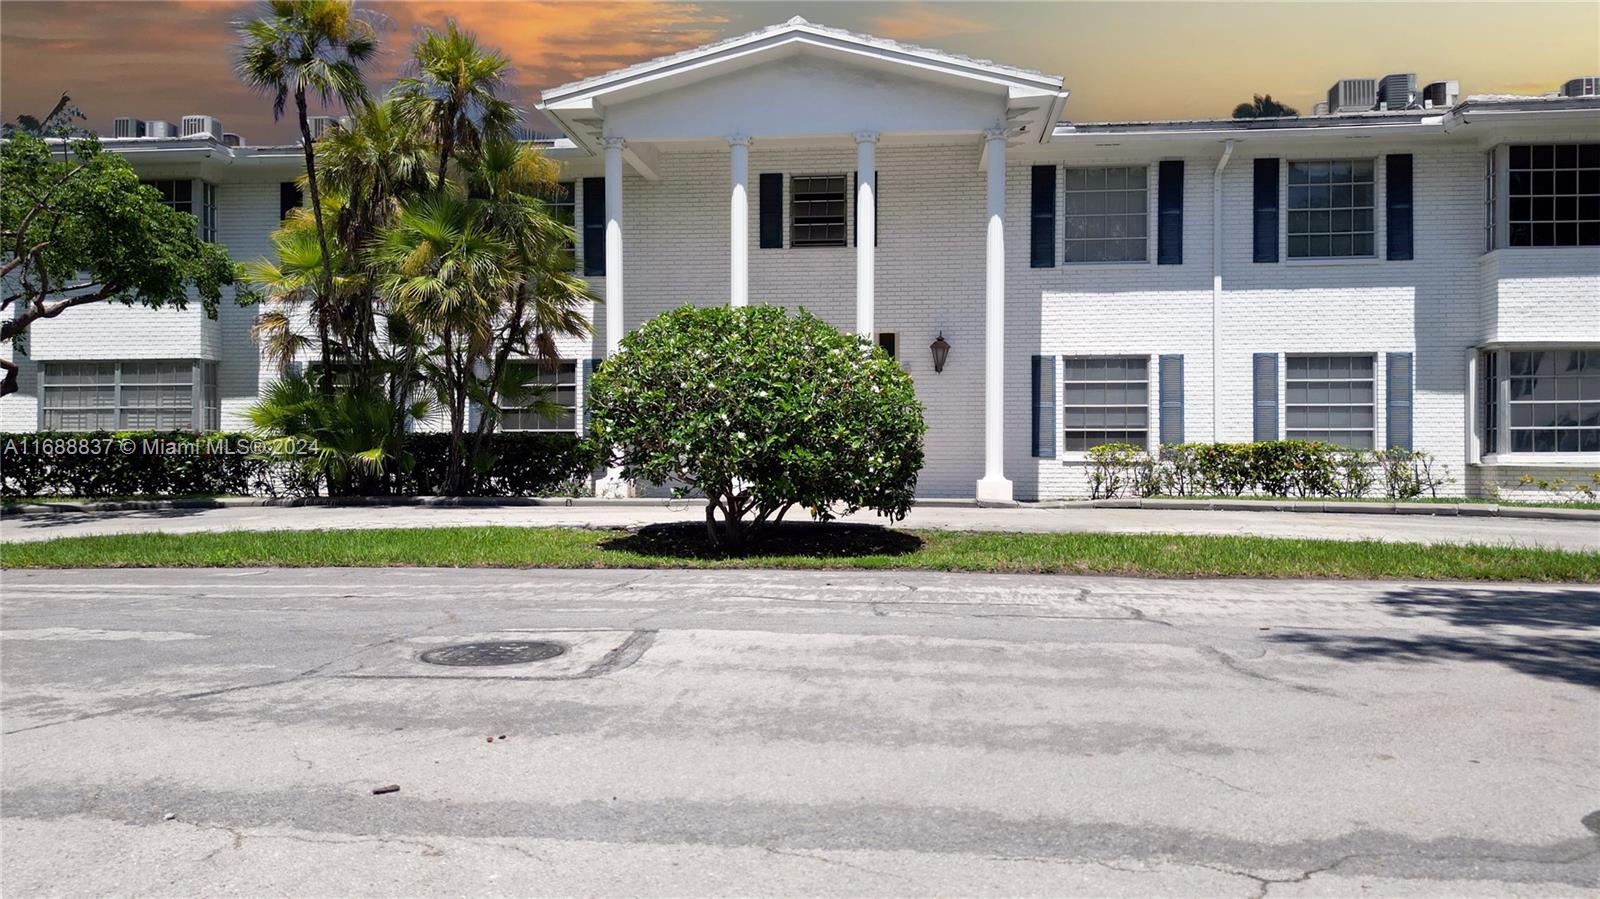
x=994, y=487
x=613, y=147
x=613, y=485
x=866, y=229
x=739, y=221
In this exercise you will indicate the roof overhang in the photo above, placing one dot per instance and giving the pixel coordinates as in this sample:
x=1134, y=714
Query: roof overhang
x=1033, y=101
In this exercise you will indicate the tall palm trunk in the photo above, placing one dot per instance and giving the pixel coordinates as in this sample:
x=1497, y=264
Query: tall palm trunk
x=325, y=381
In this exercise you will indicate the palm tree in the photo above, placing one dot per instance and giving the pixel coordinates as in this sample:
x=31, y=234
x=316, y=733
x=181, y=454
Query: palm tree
x=454, y=93
x=445, y=272
x=1263, y=107
x=301, y=46
x=297, y=280
x=351, y=433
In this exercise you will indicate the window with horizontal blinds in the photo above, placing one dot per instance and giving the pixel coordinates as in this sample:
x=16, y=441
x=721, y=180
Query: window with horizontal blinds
x=1105, y=400
x=817, y=211
x=545, y=398
x=1330, y=399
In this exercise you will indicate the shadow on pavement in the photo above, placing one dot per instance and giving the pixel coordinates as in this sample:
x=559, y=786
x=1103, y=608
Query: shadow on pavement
x=1498, y=617
x=685, y=539
x=73, y=519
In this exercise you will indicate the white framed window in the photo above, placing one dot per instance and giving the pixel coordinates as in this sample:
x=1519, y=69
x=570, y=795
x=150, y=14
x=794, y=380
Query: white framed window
x=1553, y=195
x=1332, y=399
x=132, y=395
x=1332, y=208
x=1105, y=400
x=1551, y=401
x=1108, y=214
x=179, y=194
x=548, y=400
x=564, y=208
x=817, y=210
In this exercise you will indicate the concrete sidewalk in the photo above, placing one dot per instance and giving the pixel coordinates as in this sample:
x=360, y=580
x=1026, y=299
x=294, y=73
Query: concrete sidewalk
x=1571, y=535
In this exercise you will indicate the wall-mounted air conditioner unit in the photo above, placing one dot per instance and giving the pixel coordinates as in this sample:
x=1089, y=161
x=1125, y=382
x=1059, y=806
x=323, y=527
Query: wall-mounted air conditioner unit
x=202, y=126
x=127, y=126
x=1353, y=95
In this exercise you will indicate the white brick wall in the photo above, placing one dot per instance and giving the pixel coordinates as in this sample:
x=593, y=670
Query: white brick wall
x=930, y=280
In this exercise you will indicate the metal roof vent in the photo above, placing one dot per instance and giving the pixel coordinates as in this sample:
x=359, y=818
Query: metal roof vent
x=127, y=126
x=232, y=140
x=1398, y=91
x=1319, y=108
x=1353, y=95
x=1582, y=87
x=160, y=129
x=202, y=126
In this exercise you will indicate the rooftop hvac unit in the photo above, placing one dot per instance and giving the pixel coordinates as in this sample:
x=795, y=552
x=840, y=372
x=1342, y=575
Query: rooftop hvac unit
x=202, y=126
x=1441, y=94
x=1582, y=87
x=232, y=140
x=321, y=124
x=1353, y=95
x=127, y=126
x=1319, y=108
x=160, y=129
x=1398, y=91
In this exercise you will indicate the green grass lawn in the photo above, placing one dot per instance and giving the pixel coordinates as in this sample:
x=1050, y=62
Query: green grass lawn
x=809, y=546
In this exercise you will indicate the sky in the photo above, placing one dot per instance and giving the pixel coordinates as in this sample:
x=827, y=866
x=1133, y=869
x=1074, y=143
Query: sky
x=162, y=59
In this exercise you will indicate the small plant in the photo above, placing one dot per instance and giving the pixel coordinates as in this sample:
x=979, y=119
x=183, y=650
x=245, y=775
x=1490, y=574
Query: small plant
x=1112, y=469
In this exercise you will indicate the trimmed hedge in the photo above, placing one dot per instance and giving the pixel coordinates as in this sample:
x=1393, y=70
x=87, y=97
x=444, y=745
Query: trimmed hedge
x=1300, y=468
x=180, y=463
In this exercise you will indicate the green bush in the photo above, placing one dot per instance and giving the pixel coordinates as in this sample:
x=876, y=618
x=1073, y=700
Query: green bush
x=1298, y=468
x=179, y=463
x=760, y=410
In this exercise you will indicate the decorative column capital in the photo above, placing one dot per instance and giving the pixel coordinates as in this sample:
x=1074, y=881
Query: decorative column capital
x=996, y=133
x=611, y=143
x=738, y=140
x=866, y=137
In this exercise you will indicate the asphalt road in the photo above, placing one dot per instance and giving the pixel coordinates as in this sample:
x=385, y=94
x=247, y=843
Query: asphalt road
x=1572, y=535
x=795, y=733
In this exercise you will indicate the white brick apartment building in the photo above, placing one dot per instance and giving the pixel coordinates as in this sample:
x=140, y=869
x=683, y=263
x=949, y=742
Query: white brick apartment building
x=1425, y=273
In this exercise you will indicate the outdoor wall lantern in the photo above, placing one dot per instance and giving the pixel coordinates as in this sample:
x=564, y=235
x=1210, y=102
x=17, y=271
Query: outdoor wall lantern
x=941, y=352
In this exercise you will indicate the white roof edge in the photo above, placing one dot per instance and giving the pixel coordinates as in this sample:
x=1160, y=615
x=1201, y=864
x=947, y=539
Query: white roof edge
x=796, y=25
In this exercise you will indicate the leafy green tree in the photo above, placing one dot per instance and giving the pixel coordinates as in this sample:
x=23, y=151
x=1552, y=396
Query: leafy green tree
x=455, y=93
x=298, y=47
x=1263, y=107
x=760, y=411
x=86, y=231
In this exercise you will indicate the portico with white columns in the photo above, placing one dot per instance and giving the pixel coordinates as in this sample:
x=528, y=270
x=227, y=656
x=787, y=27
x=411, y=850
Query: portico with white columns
x=799, y=104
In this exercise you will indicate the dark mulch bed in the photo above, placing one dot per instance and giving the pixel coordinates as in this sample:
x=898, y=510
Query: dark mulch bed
x=786, y=538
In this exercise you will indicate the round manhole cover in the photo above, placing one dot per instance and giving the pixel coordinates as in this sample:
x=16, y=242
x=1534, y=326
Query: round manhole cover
x=509, y=652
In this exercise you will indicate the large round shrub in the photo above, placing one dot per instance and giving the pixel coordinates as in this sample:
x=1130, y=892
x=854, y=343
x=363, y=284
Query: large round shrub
x=761, y=410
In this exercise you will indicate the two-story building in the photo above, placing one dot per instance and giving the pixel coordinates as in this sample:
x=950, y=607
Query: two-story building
x=1422, y=273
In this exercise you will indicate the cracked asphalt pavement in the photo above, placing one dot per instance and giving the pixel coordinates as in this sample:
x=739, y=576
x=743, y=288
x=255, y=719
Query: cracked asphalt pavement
x=795, y=733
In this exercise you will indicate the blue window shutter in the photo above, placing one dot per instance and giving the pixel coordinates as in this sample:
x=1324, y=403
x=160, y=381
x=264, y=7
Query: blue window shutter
x=594, y=226
x=771, y=210
x=1266, y=210
x=1171, y=382
x=1398, y=202
x=1398, y=387
x=1043, y=237
x=1169, y=213
x=1044, y=407
x=1265, y=367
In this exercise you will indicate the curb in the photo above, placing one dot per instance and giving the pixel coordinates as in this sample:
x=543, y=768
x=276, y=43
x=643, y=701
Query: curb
x=1473, y=510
